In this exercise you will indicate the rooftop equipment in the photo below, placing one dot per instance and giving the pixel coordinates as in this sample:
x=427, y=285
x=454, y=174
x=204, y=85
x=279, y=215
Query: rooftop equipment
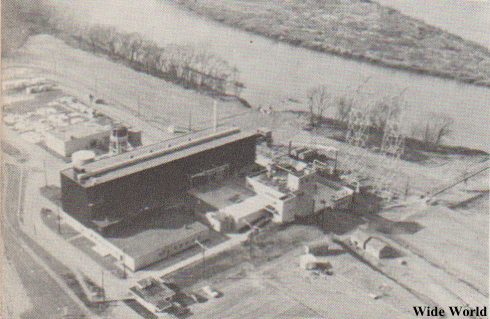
x=119, y=139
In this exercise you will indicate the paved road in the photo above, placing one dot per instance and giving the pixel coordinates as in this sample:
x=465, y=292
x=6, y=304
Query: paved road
x=33, y=226
x=48, y=294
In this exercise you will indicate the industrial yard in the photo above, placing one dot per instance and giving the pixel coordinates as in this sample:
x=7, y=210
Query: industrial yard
x=128, y=196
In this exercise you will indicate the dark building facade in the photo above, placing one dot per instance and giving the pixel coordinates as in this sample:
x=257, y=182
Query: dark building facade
x=108, y=191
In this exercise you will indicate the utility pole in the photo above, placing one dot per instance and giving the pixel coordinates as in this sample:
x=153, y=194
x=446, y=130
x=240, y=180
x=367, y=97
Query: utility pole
x=103, y=288
x=215, y=115
x=407, y=187
x=203, y=257
x=96, y=84
x=45, y=174
x=124, y=269
x=254, y=232
x=59, y=221
x=19, y=203
x=138, y=101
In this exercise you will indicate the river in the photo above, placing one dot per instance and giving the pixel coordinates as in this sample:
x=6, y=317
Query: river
x=276, y=73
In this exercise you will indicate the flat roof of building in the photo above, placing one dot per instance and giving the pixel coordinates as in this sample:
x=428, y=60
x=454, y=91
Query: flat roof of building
x=157, y=154
x=247, y=207
x=149, y=232
x=220, y=195
x=277, y=182
x=79, y=130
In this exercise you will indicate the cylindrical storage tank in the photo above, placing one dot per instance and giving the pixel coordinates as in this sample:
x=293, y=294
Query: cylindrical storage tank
x=81, y=158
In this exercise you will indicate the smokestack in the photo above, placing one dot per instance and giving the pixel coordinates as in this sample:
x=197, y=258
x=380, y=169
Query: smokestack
x=290, y=146
x=215, y=115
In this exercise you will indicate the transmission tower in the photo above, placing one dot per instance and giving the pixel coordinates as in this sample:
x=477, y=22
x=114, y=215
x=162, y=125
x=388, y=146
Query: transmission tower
x=356, y=137
x=393, y=143
x=388, y=180
x=357, y=134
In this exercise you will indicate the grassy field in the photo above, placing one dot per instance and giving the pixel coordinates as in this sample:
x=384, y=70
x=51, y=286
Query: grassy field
x=156, y=101
x=358, y=29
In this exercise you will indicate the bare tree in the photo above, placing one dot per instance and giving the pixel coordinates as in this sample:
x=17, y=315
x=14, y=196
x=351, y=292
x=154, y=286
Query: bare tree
x=318, y=101
x=237, y=85
x=178, y=59
x=150, y=54
x=130, y=45
x=182, y=62
x=75, y=30
x=135, y=43
x=432, y=127
x=111, y=38
x=163, y=61
x=103, y=38
x=92, y=34
x=344, y=106
x=384, y=110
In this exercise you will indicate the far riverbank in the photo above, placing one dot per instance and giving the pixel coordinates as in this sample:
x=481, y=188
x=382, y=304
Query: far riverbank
x=363, y=31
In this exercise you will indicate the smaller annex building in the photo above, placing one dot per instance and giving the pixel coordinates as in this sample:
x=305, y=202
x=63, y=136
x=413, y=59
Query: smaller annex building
x=153, y=294
x=372, y=245
x=152, y=245
x=235, y=217
x=152, y=237
x=66, y=140
x=295, y=190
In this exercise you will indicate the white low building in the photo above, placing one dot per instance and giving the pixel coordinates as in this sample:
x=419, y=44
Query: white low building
x=69, y=139
x=237, y=216
x=294, y=194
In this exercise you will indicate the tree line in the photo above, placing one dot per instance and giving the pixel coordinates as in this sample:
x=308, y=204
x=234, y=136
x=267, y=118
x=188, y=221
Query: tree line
x=183, y=62
x=429, y=127
x=186, y=64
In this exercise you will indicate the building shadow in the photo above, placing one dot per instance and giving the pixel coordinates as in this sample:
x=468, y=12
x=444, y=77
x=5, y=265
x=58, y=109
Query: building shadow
x=157, y=218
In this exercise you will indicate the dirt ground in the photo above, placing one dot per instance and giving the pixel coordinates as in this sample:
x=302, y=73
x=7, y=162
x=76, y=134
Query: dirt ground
x=455, y=240
x=280, y=289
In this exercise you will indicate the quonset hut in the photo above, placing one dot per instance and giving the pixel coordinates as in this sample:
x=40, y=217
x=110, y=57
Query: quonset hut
x=111, y=190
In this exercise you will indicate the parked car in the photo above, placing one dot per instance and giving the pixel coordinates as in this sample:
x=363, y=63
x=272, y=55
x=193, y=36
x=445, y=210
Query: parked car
x=210, y=293
x=46, y=211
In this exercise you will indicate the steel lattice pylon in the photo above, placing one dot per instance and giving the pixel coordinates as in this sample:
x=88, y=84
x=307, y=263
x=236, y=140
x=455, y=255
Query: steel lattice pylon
x=387, y=178
x=357, y=137
x=357, y=134
x=357, y=128
x=393, y=143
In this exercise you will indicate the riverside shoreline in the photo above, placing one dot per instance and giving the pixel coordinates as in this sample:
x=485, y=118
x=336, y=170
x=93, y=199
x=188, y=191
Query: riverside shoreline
x=253, y=22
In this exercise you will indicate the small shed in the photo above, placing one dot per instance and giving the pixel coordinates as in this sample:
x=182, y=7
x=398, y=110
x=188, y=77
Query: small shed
x=307, y=261
x=359, y=238
x=318, y=247
x=374, y=246
x=380, y=249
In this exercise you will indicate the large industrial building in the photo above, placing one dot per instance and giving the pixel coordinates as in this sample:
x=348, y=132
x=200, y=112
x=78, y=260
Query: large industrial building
x=111, y=190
